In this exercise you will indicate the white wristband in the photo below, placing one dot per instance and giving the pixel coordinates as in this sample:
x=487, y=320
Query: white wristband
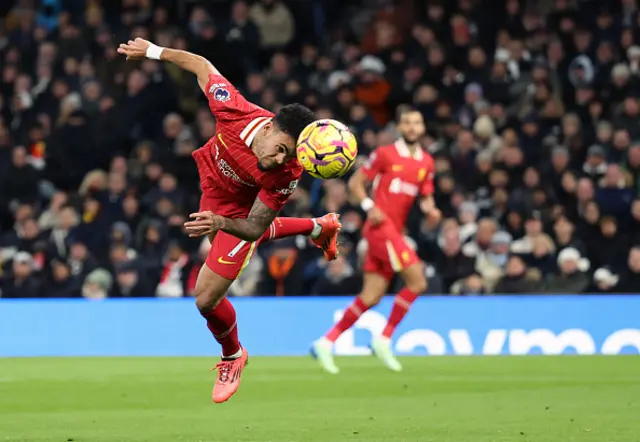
x=367, y=204
x=154, y=51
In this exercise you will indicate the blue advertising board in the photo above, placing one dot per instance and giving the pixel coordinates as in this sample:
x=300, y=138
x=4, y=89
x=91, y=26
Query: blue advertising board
x=286, y=326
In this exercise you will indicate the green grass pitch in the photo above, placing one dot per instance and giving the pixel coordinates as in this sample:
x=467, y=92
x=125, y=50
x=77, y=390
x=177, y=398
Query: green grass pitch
x=440, y=399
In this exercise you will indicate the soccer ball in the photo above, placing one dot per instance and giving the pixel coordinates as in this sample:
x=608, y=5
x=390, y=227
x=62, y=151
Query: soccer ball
x=327, y=149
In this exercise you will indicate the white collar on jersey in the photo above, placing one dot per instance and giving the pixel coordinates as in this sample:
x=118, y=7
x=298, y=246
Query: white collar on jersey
x=403, y=150
x=249, y=133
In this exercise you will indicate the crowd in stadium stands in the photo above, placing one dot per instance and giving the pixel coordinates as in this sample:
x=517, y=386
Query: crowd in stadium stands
x=533, y=120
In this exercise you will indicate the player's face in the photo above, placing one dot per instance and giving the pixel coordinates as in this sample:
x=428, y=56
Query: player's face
x=274, y=148
x=411, y=126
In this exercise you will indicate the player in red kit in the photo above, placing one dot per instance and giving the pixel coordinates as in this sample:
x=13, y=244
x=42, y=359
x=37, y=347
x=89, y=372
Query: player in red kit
x=400, y=173
x=248, y=171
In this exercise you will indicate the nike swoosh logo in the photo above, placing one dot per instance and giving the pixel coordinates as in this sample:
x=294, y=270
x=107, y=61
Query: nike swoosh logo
x=222, y=261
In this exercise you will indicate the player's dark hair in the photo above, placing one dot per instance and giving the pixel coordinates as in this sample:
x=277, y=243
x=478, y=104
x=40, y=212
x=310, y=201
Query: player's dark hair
x=293, y=118
x=404, y=109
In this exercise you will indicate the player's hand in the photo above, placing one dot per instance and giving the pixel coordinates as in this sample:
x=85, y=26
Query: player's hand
x=203, y=223
x=135, y=49
x=375, y=216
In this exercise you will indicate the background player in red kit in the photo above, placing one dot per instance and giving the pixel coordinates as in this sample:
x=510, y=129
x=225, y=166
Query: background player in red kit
x=248, y=170
x=400, y=173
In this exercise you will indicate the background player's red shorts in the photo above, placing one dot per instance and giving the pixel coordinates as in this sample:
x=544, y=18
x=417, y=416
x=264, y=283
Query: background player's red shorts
x=388, y=253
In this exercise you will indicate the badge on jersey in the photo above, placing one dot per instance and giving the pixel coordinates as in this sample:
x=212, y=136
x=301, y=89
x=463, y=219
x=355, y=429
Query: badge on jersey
x=292, y=187
x=421, y=174
x=220, y=93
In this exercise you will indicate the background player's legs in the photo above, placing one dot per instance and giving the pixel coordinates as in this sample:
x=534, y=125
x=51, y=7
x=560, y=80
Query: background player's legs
x=373, y=289
x=210, y=292
x=415, y=283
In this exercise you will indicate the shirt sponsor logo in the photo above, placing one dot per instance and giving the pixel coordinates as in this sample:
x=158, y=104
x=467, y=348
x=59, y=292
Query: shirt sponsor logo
x=227, y=171
x=399, y=186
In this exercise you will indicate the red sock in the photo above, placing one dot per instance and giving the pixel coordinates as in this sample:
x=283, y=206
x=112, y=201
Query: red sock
x=221, y=322
x=401, y=306
x=284, y=227
x=350, y=316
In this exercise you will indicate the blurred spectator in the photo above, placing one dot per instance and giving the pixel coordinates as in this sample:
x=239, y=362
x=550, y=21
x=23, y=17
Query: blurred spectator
x=275, y=23
x=491, y=263
x=630, y=279
x=339, y=279
x=604, y=281
x=571, y=277
x=515, y=279
x=174, y=279
x=452, y=263
x=21, y=282
x=97, y=284
x=130, y=282
x=63, y=284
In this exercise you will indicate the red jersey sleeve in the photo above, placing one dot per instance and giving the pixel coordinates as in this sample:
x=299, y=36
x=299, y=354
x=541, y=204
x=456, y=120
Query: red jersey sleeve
x=275, y=194
x=225, y=101
x=374, y=164
x=427, y=186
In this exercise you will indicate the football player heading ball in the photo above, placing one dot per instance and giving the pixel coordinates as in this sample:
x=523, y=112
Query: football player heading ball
x=248, y=171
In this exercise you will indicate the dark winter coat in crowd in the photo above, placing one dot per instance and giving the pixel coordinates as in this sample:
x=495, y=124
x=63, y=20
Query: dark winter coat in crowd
x=566, y=284
x=19, y=184
x=453, y=268
x=348, y=286
x=20, y=288
x=517, y=285
x=629, y=282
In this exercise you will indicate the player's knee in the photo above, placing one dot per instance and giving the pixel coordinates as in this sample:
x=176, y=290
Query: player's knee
x=418, y=284
x=370, y=299
x=207, y=298
x=415, y=279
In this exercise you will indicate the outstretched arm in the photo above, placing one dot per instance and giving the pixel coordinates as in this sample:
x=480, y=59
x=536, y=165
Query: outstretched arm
x=248, y=229
x=140, y=48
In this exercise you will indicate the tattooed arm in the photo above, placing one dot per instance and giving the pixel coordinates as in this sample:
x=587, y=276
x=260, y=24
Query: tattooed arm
x=254, y=226
x=248, y=229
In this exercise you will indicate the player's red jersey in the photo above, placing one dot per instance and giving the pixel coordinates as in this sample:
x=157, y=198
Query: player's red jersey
x=398, y=178
x=229, y=174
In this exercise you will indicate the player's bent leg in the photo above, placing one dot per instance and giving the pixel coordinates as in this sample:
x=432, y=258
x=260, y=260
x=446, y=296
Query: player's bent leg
x=282, y=227
x=415, y=283
x=374, y=288
x=323, y=231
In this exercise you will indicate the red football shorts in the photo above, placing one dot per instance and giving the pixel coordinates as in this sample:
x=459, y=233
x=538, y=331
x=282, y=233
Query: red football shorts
x=388, y=252
x=228, y=255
